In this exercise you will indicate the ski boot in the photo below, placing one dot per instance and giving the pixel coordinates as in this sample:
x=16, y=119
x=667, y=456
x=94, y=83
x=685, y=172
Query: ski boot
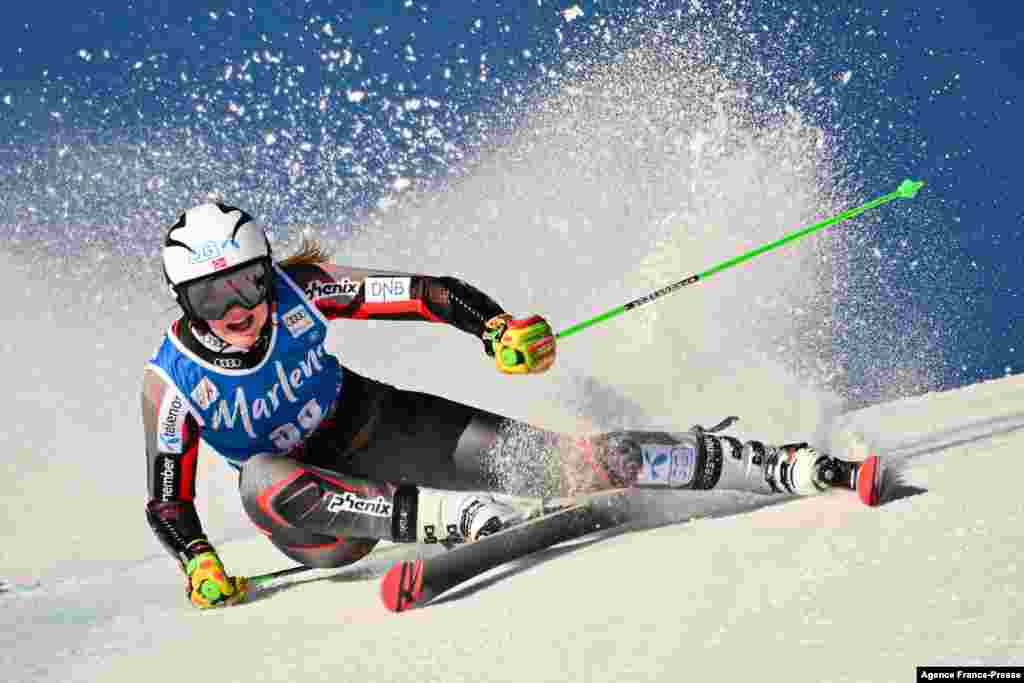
x=453, y=517
x=799, y=469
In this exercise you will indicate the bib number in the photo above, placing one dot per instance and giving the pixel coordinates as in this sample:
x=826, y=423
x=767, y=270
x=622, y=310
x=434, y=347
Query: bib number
x=289, y=435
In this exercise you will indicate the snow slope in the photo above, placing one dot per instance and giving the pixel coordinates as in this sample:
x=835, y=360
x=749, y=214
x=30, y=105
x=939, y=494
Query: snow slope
x=804, y=590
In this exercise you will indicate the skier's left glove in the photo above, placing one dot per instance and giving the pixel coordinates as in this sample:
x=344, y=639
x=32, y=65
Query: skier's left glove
x=520, y=346
x=208, y=583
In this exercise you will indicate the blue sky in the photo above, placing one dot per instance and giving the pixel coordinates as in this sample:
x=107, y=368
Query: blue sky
x=933, y=93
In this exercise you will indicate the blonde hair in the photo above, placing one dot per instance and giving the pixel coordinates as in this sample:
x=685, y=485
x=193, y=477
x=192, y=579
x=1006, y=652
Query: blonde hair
x=310, y=252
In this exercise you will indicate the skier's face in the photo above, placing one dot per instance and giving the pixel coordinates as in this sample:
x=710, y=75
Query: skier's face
x=241, y=327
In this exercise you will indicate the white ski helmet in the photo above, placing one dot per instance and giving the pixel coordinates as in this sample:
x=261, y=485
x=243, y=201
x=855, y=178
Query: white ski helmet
x=211, y=239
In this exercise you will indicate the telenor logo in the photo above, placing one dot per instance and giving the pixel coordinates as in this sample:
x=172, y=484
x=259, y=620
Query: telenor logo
x=169, y=431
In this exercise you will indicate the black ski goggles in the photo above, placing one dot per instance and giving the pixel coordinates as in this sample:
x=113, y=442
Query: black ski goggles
x=212, y=297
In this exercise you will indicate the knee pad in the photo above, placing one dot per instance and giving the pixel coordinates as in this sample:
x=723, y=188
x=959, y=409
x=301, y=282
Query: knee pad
x=262, y=480
x=282, y=495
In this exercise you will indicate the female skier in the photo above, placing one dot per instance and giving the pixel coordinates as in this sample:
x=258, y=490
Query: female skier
x=331, y=462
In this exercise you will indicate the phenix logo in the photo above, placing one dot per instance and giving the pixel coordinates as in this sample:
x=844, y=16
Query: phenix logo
x=378, y=507
x=318, y=289
x=228, y=413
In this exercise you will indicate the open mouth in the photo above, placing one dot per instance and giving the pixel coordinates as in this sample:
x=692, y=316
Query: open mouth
x=243, y=325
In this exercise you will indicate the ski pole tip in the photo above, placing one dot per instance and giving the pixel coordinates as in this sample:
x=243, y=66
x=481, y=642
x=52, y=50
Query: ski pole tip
x=908, y=188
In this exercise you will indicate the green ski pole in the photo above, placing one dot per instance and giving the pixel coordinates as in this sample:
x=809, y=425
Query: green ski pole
x=907, y=189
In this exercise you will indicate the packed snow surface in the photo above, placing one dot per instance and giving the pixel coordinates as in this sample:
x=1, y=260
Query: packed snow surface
x=819, y=589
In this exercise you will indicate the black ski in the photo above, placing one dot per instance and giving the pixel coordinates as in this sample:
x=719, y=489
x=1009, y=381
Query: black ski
x=412, y=583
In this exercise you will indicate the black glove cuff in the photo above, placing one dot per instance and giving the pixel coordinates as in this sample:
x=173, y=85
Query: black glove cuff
x=197, y=547
x=488, y=346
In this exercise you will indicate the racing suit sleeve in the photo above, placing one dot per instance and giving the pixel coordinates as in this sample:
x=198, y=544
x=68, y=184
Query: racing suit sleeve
x=344, y=292
x=172, y=449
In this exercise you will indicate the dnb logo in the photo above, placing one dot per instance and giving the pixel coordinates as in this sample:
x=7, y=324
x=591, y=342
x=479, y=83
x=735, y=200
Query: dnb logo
x=212, y=249
x=385, y=290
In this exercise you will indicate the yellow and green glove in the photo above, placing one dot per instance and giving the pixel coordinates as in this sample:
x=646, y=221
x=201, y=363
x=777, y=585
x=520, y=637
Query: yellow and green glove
x=209, y=585
x=520, y=346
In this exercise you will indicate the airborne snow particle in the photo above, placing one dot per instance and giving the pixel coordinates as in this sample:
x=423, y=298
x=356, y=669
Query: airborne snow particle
x=572, y=13
x=356, y=95
x=401, y=183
